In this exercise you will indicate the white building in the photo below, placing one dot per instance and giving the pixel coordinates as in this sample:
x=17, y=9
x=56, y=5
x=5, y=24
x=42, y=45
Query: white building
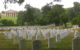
x=9, y=13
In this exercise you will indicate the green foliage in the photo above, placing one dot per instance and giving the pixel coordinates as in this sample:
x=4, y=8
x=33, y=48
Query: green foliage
x=56, y=12
x=31, y=16
x=46, y=10
x=69, y=24
x=20, y=1
x=7, y=22
x=14, y=1
x=49, y=14
x=76, y=20
x=20, y=20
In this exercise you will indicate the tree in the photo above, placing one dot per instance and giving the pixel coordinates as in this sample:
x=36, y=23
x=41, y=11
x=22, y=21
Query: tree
x=20, y=19
x=46, y=13
x=64, y=18
x=49, y=14
x=70, y=14
x=14, y=1
x=31, y=16
x=56, y=12
x=76, y=21
x=76, y=8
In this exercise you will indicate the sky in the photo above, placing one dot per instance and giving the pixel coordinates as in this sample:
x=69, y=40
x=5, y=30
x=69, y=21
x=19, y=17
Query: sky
x=35, y=3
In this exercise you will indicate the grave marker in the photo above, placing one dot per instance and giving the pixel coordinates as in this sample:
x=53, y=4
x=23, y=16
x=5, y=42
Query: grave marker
x=36, y=45
x=22, y=45
x=58, y=38
x=15, y=40
x=51, y=43
x=76, y=43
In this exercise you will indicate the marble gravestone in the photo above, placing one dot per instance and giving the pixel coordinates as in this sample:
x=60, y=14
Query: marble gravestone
x=48, y=35
x=63, y=34
x=38, y=35
x=15, y=40
x=8, y=35
x=22, y=45
x=36, y=45
x=45, y=33
x=76, y=43
x=58, y=38
x=51, y=43
x=77, y=34
x=16, y=37
x=29, y=36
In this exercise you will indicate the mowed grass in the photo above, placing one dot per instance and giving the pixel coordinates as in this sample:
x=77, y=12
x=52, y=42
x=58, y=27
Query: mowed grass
x=14, y=19
x=65, y=44
x=7, y=44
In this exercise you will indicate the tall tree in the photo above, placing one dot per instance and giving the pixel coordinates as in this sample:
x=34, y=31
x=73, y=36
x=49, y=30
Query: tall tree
x=46, y=13
x=20, y=19
x=31, y=16
x=56, y=12
x=76, y=8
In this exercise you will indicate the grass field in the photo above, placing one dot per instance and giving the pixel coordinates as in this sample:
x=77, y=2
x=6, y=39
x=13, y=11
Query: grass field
x=6, y=44
x=65, y=44
x=14, y=19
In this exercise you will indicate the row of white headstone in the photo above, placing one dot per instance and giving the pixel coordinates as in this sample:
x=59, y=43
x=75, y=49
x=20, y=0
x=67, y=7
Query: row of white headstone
x=30, y=33
x=25, y=33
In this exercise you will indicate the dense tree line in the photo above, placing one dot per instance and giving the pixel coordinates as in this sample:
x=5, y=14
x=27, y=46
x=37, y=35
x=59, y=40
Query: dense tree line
x=5, y=22
x=49, y=14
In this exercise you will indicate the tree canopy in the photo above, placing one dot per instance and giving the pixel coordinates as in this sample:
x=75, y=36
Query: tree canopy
x=50, y=14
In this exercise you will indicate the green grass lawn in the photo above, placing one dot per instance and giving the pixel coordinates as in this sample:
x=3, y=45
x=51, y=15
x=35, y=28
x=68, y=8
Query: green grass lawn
x=6, y=44
x=14, y=19
x=65, y=44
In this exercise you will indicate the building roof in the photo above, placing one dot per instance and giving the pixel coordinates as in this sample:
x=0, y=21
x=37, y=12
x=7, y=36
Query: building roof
x=11, y=11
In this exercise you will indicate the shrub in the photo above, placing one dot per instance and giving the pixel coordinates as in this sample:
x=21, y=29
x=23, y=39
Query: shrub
x=7, y=22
